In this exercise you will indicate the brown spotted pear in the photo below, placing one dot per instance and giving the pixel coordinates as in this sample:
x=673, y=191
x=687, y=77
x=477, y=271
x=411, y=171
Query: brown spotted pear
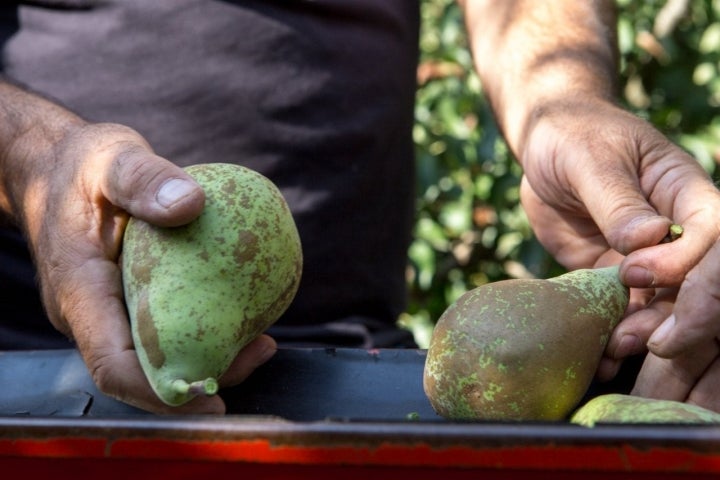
x=198, y=293
x=522, y=349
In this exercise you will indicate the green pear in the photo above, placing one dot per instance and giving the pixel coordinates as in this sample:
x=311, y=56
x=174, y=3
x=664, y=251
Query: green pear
x=522, y=349
x=620, y=408
x=197, y=294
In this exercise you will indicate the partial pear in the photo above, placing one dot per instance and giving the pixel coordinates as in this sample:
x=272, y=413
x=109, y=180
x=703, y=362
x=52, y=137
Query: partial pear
x=615, y=408
x=197, y=294
x=523, y=349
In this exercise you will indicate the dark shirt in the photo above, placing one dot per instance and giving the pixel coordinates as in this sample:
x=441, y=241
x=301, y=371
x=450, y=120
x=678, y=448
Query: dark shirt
x=317, y=95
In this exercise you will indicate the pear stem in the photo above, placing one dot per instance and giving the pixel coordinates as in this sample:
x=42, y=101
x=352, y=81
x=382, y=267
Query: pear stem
x=674, y=232
x=208, y=387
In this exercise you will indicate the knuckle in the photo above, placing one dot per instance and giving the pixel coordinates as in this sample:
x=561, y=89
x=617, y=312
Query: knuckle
x=103, y=375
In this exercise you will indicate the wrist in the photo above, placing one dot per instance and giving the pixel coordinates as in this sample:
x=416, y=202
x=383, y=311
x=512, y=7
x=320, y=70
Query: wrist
x=31, y=127
x=534, y=56
x=567, y=111
x=574, y=118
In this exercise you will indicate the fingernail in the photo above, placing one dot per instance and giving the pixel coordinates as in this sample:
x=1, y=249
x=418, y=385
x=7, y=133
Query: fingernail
x=629, y=345
x=639, y=277
x=174, y=190
x=661, y=333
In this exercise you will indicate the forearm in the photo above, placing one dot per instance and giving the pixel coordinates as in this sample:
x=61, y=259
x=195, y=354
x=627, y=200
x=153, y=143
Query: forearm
x=534, y=55
x=31, y=129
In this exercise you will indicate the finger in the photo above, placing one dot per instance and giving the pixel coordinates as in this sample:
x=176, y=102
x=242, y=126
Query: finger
x=573, y=239
x=608, y=369
x=694, y=319
x=640, y=298
x=647, y=309
x=632, y=333
x=252, y=356
x=153, y=189
x=667, y=264
x=119, y=375
x=625, y=339
x=148, y=186
x=621, y=210
x=704, y=393
x=695, y=208
x=673, y=378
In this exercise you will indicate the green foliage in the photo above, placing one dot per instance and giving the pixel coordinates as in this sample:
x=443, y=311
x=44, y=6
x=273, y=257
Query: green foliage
x=470, y=227
x=669, y=65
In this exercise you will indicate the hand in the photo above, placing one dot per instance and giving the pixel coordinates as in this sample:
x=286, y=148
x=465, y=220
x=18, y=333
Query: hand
x=75, y=216
x=601, y=184
x=684, y=359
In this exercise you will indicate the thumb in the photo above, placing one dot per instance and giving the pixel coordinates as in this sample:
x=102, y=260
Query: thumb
x=150, y=187
x=155, y=190
x=622, y=211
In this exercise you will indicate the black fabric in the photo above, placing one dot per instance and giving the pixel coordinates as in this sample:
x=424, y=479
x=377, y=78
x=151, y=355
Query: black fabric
x=23, y=324
x=317, y=95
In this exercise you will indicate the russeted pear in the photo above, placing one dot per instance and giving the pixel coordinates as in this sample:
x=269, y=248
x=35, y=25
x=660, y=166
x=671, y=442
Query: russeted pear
x=620, y=408
x=522, y=349
x=198, y=293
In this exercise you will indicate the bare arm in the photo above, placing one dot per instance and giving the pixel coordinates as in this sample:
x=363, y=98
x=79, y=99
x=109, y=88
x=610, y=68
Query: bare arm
x=532, y=55
x=35, y=133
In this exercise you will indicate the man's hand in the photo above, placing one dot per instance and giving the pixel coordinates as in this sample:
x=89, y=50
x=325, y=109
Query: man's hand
x=74, y=207
x=601, y=186
x=610, y=197
x=684, y=359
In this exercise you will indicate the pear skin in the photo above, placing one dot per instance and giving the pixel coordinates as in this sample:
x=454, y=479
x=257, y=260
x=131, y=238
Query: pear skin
x=198, y=293
x=620, y=408
x=522, y=349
